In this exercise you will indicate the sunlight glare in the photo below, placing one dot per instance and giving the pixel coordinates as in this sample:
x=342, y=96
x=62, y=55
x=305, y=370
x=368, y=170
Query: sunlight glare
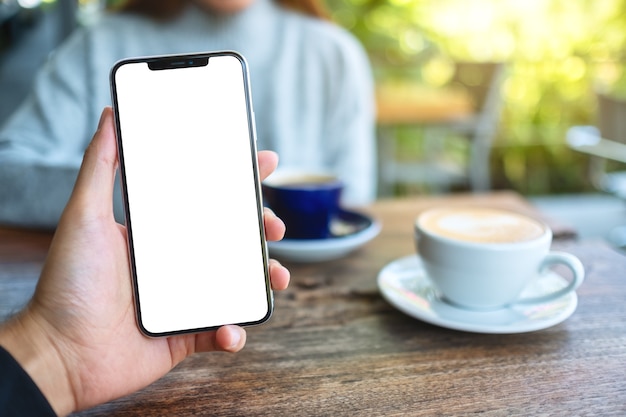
x=438, y=71
x=412, y=42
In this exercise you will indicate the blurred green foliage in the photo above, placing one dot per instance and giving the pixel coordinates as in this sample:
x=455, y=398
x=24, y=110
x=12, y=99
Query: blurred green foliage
x=558, y=53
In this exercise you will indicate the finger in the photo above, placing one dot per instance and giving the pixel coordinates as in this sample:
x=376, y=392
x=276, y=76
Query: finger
x=279, y=275
x=268, y=161
x=274, y=226
x=228, y=338
x=96, y=178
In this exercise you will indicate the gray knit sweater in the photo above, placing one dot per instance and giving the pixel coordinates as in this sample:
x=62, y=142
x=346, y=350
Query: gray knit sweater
x=312, y=93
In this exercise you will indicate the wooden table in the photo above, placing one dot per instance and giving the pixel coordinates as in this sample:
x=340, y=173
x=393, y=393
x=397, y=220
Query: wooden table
x=335, y=347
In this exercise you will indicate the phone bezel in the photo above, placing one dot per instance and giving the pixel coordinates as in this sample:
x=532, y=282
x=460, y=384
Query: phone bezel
x=174, y=62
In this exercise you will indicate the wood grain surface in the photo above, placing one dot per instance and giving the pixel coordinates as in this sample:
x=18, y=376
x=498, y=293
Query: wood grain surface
x=335, y=347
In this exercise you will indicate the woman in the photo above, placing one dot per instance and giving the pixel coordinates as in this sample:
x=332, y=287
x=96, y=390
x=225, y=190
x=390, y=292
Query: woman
x=311, y=86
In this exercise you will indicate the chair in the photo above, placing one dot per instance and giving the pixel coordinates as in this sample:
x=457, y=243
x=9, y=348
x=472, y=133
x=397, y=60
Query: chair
x=480, y=82
x=604, y=144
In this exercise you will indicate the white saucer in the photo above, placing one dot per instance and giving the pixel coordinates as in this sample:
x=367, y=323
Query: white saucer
x=351, y=231
x=405, y=285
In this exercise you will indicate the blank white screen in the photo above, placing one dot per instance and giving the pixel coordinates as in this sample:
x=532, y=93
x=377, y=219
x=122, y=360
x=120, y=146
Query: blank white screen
x=191, y=195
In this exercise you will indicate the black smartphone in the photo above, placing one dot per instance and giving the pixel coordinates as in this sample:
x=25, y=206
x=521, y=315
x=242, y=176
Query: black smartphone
x=191, y=188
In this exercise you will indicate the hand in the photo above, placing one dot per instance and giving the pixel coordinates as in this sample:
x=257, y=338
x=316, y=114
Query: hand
x=78, y=337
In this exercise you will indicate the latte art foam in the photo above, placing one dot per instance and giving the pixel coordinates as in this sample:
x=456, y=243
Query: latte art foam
x=481, y=225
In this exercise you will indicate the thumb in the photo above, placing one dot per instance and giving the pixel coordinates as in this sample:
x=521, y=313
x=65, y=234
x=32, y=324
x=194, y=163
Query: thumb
x=93, y=190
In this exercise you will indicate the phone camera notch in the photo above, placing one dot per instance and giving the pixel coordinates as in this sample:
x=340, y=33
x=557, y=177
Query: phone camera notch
x=177, y=62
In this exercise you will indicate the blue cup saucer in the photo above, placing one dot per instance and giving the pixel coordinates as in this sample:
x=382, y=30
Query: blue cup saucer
x=349, y=231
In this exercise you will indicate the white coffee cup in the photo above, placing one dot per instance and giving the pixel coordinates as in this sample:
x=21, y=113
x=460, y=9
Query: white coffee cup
x=482, y=258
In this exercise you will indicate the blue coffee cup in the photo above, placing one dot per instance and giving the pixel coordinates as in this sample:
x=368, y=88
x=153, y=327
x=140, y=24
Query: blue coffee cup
x=307, y=202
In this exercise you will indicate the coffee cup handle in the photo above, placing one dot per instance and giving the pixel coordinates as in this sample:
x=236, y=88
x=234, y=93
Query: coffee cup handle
x=554, y=258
